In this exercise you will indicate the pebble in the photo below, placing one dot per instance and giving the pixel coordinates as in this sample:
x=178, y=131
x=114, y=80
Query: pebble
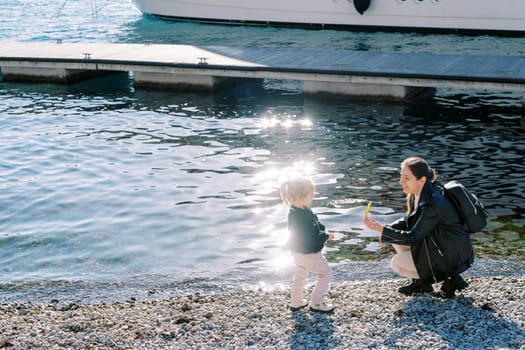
x=369, y=314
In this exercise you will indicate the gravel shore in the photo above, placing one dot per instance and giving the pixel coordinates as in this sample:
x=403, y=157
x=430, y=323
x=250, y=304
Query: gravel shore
x=370, y=314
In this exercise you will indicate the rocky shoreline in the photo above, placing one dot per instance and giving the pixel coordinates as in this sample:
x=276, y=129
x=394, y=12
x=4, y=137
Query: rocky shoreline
x=370, y=314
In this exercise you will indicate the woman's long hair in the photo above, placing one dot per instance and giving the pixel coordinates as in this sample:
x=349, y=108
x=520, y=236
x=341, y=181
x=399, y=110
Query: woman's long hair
x=419, y=168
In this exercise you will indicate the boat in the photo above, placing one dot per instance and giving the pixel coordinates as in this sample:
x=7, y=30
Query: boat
x=460, y=16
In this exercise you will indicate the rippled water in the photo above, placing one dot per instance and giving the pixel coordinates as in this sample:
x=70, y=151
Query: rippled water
x=100, y=181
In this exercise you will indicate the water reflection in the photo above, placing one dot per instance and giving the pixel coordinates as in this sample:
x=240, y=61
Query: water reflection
x=148, y=182
x=147, y=28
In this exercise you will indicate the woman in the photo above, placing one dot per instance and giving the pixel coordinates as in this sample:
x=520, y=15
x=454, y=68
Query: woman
x=430, y=242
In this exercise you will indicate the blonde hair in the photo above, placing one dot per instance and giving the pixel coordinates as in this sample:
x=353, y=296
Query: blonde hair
x=294, y=189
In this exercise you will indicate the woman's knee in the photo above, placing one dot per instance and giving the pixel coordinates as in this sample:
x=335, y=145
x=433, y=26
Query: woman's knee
x=395, y=263
x=403, y=265
x=400, y=248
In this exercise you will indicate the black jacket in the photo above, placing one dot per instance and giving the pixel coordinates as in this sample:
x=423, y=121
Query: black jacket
x=306, y=232
x=434, y=231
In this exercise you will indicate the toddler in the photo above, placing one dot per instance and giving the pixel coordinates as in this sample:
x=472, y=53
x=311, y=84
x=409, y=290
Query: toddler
x=306, y=241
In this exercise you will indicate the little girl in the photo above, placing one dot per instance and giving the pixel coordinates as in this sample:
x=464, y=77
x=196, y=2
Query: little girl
x=306, y=241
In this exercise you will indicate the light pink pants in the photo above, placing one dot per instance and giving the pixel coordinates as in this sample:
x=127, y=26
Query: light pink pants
x=304, y=264
x=403, y=263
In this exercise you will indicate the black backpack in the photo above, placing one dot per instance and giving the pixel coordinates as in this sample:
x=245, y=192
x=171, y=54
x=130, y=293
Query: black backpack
x=469, y=206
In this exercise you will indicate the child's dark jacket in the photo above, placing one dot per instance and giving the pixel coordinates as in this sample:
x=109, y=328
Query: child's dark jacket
x=306, y=232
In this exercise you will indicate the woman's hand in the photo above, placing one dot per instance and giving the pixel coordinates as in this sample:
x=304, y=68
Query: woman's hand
x=376, y=226
x=373, y=225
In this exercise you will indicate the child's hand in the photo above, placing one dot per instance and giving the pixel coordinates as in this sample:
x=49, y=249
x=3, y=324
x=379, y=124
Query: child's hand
x=331, y=236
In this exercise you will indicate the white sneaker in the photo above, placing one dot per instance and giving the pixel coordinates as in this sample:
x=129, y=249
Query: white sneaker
x=297, y=306
x=323, y=307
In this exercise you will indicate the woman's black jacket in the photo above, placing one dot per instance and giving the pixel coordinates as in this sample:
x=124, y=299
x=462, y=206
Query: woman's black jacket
x=434, y=231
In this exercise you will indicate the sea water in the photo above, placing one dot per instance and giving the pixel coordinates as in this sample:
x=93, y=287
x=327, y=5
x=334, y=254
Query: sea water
x=105, y=188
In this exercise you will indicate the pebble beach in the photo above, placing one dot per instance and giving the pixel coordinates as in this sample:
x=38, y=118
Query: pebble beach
x=370, y=314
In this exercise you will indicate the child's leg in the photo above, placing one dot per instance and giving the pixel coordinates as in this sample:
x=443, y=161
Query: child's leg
x=300, y=277
x=324, y=275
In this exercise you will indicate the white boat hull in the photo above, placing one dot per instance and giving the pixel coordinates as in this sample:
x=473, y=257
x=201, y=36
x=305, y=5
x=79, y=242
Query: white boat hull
x=451, y=15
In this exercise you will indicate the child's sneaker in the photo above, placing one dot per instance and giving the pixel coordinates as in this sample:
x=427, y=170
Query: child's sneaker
x=323, y=307
x=297, y=306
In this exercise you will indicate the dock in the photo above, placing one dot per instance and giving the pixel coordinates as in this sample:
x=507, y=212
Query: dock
x=391, y=75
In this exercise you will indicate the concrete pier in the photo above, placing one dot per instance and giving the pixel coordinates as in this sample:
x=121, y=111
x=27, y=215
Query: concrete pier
x=179, y=81
x=48, y=75
x=389, y=75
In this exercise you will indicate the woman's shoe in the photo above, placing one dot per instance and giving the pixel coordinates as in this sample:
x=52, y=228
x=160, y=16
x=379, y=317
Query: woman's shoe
x=416, y=287
x=451, y=285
